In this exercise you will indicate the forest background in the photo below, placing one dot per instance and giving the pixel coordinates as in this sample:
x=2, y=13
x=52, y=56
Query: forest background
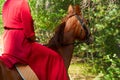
x=102, y=58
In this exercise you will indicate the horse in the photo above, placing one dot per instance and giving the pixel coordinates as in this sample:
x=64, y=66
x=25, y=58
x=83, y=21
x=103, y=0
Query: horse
x=72, y=27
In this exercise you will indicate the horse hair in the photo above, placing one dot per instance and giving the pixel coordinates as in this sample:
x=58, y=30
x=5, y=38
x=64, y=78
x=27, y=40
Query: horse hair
x=57, y=39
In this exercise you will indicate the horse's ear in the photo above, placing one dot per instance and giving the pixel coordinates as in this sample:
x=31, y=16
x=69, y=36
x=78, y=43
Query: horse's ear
x=70, y=9
x=77, y=9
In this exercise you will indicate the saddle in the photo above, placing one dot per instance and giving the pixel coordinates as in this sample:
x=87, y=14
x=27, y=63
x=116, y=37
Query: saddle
x=26, y=72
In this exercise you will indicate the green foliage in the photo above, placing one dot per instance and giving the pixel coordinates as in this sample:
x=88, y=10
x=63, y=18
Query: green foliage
x=104, y=18
x=107, y=39
x=45, y=20
x=1, y=26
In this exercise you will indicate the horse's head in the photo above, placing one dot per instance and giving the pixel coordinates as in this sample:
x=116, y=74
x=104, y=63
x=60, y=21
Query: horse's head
x=76, y=24
x=73, y=27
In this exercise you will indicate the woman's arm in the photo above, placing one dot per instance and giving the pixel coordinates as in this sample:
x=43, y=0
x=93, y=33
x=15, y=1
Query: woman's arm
x=27, y=21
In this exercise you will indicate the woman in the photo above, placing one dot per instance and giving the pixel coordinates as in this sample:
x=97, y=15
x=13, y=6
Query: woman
x=20, y=45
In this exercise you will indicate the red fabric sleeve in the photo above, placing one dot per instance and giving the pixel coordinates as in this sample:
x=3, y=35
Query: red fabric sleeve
x=27, y=19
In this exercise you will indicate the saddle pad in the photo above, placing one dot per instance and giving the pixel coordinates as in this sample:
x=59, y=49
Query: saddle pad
x=26, y=72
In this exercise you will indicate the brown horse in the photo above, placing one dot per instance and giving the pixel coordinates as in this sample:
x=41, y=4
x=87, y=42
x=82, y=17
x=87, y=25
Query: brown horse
x=73, y=27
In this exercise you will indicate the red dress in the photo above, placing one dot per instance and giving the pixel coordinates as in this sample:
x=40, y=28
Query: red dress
x=18, y=24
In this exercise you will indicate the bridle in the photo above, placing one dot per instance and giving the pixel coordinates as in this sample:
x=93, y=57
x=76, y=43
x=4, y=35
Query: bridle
x=84, y=27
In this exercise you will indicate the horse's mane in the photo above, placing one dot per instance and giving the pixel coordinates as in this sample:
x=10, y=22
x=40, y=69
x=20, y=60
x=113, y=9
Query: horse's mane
x=57, y=39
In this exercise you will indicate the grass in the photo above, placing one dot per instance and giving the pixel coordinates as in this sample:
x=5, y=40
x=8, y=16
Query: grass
x=80, y=71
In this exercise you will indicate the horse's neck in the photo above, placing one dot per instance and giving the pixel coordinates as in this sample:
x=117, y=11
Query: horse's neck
x=66, y=52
